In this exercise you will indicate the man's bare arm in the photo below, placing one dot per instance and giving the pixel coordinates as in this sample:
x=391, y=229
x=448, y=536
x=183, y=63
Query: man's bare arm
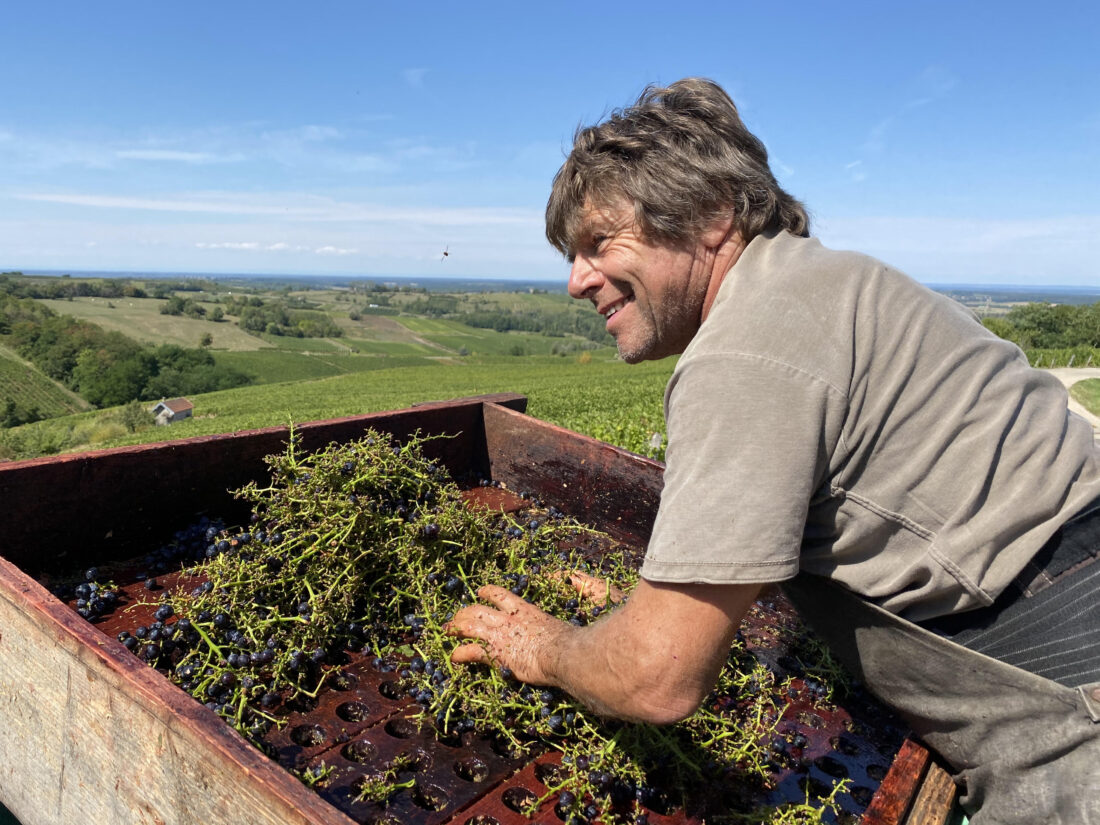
x=653, y=659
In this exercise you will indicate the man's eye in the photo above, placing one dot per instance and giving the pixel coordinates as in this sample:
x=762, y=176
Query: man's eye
x=597, y=241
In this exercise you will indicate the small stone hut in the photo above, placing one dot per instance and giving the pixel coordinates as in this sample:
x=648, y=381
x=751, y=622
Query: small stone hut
x=172, y=410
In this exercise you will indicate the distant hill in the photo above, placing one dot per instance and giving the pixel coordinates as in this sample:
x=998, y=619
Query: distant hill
x=31, y=393
x=981, y=295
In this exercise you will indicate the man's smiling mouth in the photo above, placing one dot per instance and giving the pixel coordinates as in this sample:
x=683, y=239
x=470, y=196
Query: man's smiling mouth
x=615, y=307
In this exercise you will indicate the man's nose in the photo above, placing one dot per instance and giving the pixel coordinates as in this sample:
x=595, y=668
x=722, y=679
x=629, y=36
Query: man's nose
x=583, y=277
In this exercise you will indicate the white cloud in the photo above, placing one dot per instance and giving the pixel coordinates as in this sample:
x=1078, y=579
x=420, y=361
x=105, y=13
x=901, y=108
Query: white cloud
x=157, y=205
x=783, y=171
x=310, y=133
x=247, y=245
x=932, y=84
x=299, y=207
x=176, y=156
x=365, y=163
x=280, y=246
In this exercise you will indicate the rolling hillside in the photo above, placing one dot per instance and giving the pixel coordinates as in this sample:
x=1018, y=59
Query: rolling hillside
x=25, y=385
x=600, y=396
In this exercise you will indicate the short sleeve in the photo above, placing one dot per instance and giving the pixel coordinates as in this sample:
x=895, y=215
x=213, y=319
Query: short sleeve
x=749, y=440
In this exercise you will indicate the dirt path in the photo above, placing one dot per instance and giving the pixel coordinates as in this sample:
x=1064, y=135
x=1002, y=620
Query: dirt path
x=1070, y=376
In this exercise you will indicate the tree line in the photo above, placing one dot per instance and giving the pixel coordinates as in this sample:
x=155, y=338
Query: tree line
x=15, y=283
x=589, y=325
x=290, y=317
x=106, y=368
x=1049, y=326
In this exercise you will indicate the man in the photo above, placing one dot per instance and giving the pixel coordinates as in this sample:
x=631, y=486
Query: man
x=834, y=426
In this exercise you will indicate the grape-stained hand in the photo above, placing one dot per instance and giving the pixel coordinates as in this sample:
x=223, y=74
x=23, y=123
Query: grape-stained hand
x=514, y=634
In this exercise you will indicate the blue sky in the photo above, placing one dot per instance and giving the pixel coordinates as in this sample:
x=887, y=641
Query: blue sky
x=958, y=141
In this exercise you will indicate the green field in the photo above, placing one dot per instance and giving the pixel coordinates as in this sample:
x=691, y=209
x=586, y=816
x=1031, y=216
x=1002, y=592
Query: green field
x=604, y=398
x=29, y=388
x=399, y=349
x=456, y=336
x=292, y=344
x=140, y=319
x=1087, y=394
x=273, y=366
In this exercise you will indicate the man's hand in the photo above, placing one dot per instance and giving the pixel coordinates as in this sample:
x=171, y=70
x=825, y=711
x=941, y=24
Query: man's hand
x=593, y=589
x=517, y=635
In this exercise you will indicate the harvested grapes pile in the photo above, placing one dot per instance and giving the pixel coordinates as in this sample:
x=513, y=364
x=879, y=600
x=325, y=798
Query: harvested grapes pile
x=317, y=632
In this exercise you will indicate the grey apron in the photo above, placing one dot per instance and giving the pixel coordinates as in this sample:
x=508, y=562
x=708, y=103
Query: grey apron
x=1024, y=749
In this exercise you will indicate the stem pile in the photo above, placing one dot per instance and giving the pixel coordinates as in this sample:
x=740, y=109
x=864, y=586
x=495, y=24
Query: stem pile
x=368, y=547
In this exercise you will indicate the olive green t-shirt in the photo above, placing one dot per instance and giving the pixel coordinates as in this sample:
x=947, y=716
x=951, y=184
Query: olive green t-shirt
x=836, y=417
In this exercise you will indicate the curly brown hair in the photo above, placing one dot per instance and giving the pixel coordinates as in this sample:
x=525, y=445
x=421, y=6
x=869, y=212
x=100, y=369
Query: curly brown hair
x=683, y=157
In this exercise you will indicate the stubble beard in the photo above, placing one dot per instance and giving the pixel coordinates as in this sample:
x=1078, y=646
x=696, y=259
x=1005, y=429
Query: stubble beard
x=638, y=345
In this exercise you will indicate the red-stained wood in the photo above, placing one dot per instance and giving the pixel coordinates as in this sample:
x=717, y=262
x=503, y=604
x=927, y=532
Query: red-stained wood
x=591, y=480
x=63, y=512
x=894, y=796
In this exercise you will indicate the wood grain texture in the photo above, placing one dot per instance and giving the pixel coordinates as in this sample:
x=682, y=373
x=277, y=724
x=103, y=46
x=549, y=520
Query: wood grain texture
x=935, y=798
x=591, y=480
x=90, y=734
x=891, y=802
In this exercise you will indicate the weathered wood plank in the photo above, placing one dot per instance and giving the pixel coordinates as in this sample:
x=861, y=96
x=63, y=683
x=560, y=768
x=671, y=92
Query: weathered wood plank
x=935, y=798
x=90, y=734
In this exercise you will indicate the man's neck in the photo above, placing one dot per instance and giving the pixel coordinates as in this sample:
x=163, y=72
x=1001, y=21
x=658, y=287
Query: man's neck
x=726, y=255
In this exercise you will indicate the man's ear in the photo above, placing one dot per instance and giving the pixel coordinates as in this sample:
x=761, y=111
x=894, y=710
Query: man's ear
x=715, y=233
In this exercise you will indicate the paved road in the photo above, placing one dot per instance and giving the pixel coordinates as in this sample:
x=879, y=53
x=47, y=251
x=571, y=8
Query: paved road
x=1069, y=377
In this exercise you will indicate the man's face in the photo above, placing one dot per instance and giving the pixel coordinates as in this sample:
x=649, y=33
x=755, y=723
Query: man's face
x=652, y=294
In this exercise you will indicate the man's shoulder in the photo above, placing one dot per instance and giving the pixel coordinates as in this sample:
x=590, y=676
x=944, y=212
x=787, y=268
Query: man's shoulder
x=785, y=289
x=781, y=257
x=780, y=273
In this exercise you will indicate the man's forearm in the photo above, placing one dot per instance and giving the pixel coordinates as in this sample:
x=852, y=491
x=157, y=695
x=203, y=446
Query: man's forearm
x=652, y=659
x=613, y=672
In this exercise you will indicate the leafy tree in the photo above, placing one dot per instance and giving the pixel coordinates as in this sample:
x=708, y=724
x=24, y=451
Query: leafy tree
x=135, y=417
x=108, y=379
x=174, y=306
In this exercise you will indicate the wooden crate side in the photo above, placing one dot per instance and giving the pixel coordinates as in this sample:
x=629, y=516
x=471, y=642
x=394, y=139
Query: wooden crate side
x=89, y=734
x=66, y=511
x=935, y=801
x=597, y=483
x=894, y=796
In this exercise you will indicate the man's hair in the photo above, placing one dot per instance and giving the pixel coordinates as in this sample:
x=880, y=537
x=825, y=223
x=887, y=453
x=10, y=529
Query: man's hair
x=682, y=156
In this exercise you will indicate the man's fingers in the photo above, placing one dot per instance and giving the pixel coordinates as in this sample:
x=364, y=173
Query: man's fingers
x=595, y=589
x=469, y=653
x=502, y=599
x=474, y=621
